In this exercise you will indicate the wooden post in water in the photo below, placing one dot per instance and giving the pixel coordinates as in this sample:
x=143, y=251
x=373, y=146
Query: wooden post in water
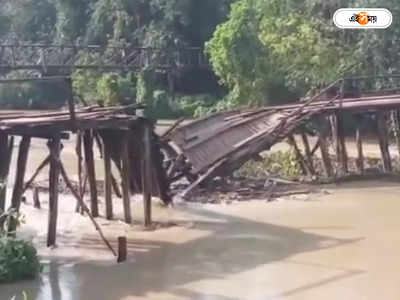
x=78, y=151
x=396, y=128
x=304, y=166
x=108, y=180
x=91, y=173
x=54, y=174
x=126, y=179
x=122, y=249
x=360, y=154
x=6, y=147
x=19, y=177
x=36, y=198
x=326, y=160
x=338, y=135
x=307, y=151
x=383, y=141
x=147, y=175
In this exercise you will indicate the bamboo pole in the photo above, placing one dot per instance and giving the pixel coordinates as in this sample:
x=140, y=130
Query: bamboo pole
x=107, y=180
x=383, y=141
x=126, y=181
x=19, y=177
x=326, y=160
x=85, y=208
x=54, y=174
x=6, y=147
x=91, y=173
x=396, y=128
x=43, y=164
x=307, y=151
x=147, y=175
x=360, y=154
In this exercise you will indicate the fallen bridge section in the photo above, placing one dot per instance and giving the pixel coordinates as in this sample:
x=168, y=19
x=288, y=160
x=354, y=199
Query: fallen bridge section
x=222, y=143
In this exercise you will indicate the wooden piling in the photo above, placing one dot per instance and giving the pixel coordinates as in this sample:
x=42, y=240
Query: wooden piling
x=91, y=173
x=338, y=134
x=122, y=249
x=126, y=180
x=5, y=157
x=19, y=177
x=107, y=181
x=54, y=175
x=304, y=166
x=326, y=160
x=147, y=175
x=78, y=152
x=396, y=128
x=36, y=198
x=384, y=141
x=307, y=151
x=360, y=154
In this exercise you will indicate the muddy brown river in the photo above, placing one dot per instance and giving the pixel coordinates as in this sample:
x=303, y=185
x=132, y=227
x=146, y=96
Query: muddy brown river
x=341, y=245
x=344, y=244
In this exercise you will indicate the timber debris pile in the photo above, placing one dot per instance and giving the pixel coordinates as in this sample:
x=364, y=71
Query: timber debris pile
x=218, y=145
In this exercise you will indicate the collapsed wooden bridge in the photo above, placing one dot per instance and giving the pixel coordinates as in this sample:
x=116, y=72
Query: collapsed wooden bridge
x=222, y=143
x=124, y=139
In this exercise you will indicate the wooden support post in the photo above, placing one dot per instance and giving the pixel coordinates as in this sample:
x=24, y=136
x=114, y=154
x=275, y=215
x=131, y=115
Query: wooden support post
x=108, y=181
x=6, y=147
x=71, y=104
x=122, y=249
x=19, y=177
x=78, y=151
x=360, y=154
x=396, y=128
x=36, y=198
x=326, y=160
x=115, y=186
x=307, y=151
x=91, y=173
x=147, y=175
x=384, y=141
x=85, y=208
x=300, y=158
x=54, y=175
x=338, y=135
x=126, y=180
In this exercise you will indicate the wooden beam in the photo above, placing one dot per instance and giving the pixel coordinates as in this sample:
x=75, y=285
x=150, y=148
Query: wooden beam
x=396, y=127
x=108, y=180
x=43, y=164
x=147, y=175
x=326, y=160
x=338, y=135
x=91, y=173
x=307, y=151
x=19, y=177
x=54, y=175
x=384, y=141
x=71, y=104
x=299, y=156
x=85, y=208
x=360, y=154
x=5, y=158
x=126, y=179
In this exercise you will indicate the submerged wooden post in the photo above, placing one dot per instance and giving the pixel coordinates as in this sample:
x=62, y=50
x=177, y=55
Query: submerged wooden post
x=307, y=151
x=107, y=180
x=326, y=160
x=396, y=128
x=19, y=177
x=338, y=135
x=126, y=180
x=384, y=141
x=147, y=176
x=6, y=147
x=91, y=173
x=122, y=249
x=360, y=154
x=36, y=199
x=54, y=174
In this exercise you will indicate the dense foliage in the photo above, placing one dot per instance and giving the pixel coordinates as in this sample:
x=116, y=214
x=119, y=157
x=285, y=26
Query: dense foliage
x=263, y=51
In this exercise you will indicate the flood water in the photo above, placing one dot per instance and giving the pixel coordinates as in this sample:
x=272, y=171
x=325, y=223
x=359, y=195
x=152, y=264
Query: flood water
x=341, y=245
